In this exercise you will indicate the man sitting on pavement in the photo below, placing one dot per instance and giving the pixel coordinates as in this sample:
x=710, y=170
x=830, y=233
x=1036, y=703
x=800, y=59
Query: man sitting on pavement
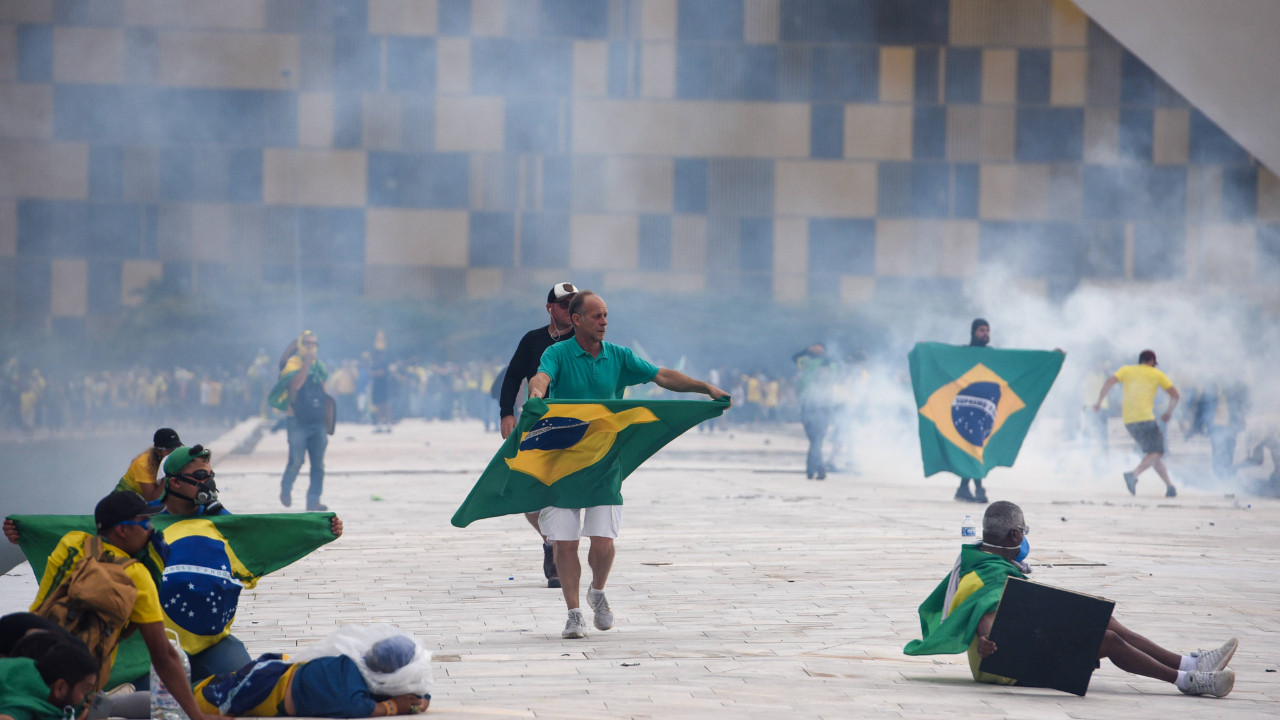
x=958, y=615
x=196, y=570
x=124, y=527
x=48, y=674
x=190, y=491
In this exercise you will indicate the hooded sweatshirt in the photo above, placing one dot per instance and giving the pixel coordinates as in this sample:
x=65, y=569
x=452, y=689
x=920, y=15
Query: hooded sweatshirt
x=23, y=694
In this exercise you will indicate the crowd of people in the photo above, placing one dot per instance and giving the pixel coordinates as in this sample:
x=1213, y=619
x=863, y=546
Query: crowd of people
x=59, y=401
x=180, y=579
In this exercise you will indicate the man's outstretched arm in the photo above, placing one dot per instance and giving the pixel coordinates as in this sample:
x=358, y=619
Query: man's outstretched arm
x=676, y=381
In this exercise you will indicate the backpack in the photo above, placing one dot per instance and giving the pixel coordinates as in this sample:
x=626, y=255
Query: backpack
x=309, y=403
x=94, y=603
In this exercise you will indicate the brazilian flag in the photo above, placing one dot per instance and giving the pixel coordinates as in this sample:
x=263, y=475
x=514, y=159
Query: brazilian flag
x=199, y=569
x=576, y=453
x=278, y=398
x=976, y=404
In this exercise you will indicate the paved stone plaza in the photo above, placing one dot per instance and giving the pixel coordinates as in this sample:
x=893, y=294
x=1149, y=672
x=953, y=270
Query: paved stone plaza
x=743, y=590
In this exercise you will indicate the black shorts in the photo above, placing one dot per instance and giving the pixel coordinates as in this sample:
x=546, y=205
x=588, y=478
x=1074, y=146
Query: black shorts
x=1148, y=435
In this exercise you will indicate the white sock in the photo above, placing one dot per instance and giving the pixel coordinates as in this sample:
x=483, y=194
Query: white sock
x=1187, y=664
x=592, y=592
x=1182, y=681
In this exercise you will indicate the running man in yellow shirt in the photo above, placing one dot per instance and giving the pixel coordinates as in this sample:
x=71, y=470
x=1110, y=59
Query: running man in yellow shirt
x=1141, y=382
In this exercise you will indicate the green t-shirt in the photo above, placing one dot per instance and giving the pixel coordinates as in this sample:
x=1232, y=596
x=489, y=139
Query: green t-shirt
x=23, y=694
x=575, y=375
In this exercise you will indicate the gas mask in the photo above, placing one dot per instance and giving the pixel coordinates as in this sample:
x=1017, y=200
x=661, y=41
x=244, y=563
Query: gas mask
x=206, y=490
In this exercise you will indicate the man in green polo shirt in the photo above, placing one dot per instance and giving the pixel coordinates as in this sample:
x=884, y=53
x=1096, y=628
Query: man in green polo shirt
x=591, y=369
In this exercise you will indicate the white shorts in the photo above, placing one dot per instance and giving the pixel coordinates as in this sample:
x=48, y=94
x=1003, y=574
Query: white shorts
x=570, y=523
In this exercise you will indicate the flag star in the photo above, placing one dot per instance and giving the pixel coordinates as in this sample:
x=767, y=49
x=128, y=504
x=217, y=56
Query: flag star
x=191, y=614
x=191, y=586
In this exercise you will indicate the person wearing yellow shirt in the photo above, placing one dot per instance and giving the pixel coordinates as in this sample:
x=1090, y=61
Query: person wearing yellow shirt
x=144, y=472
x=1141, y=382
x=124, y=525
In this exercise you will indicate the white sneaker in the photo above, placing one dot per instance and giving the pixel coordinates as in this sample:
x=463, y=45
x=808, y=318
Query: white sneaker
x=1217, y=684
x=1215, y=660
x=602, y=616
x=576, y=627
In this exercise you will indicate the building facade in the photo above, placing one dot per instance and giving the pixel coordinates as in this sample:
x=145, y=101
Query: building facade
x=846, y=150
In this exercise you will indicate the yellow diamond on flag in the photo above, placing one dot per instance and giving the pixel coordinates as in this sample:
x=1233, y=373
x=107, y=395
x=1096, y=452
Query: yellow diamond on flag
x=569, y=438
x=971, y=409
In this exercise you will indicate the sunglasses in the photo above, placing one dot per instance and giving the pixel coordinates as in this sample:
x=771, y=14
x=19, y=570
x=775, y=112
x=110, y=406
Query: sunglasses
x=198, y=476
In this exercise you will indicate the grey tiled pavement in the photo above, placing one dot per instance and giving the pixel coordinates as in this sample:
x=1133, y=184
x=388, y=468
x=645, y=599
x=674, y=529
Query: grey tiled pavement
x=743, y=590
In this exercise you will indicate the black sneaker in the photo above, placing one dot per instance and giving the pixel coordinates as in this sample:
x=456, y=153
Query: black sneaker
x=980, y=496
x=553, y=582
x=548, y=561
x=1171, y=491
x=1131, y=481
x=963, y=494
x=318, y=507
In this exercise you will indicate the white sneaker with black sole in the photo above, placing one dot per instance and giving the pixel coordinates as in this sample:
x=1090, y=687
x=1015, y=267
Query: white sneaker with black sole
x=576, y=626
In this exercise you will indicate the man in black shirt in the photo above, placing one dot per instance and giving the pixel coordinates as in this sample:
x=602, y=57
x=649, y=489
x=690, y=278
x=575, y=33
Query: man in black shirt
x=523, y=366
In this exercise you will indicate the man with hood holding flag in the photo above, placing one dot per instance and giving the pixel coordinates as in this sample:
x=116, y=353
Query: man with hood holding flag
x=979, y=336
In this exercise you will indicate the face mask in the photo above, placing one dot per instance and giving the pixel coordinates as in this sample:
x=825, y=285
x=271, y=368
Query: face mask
x=206, y=489
x=1024, y=550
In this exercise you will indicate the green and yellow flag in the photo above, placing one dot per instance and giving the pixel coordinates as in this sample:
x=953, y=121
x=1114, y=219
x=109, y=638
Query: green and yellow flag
x=950, y=615
x=199, y=569
x=278, y=398
x=976, y=404
x=576, y=453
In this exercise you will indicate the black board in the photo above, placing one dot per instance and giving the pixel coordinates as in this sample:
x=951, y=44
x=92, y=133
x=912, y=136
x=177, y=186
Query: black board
x=1047, y=637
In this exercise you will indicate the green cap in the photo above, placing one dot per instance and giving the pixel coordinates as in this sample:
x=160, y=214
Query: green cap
x=179, y=459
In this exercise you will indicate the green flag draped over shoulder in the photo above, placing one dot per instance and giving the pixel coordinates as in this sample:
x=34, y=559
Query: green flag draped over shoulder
x=250, y=545
x=976, y=404
x=950, y=615
x=278, y=398
x=576, y=453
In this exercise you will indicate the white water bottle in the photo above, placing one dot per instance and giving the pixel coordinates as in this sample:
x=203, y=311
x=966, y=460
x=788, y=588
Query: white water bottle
x=163, y=705
x=968, y=530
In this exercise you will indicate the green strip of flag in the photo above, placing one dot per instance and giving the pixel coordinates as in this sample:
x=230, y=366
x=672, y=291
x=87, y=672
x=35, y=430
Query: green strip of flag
x=576, y=454
x=976, y=404
x=260, y=544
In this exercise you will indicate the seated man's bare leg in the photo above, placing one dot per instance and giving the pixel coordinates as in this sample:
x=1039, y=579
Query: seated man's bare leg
x=1134, y=653
x=570, y=570
x=1165, y=657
